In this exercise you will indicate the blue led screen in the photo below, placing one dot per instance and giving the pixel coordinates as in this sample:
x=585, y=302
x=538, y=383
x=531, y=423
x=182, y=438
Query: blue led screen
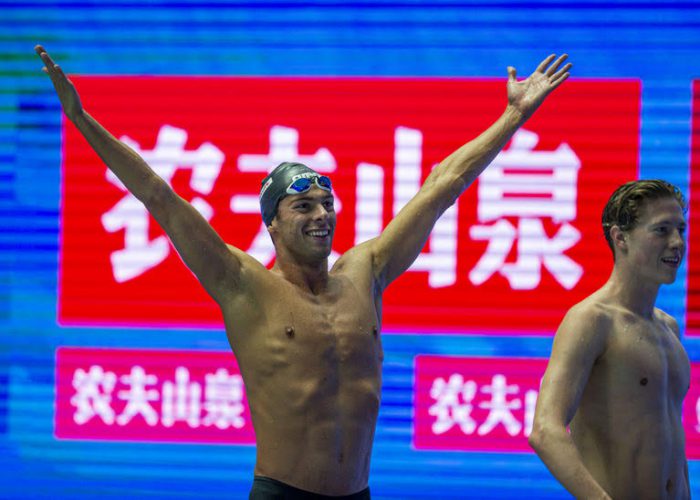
x=655, y=44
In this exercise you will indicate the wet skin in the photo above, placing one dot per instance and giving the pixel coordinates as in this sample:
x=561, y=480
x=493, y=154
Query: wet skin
x=628, y=425
x=311, y=359
x=312, y=368
x=618, y=375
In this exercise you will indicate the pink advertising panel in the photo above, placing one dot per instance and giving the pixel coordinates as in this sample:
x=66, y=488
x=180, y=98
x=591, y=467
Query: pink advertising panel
x=150, y=395
x=475, y=404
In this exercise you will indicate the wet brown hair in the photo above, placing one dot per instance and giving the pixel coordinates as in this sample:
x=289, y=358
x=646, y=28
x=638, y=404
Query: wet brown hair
x=626, y=203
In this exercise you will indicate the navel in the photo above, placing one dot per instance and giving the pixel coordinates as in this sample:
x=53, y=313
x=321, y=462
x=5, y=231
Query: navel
x=374, y=331
x=669, y=485
x=341, y=458
x=289, y=331
x=644, y=381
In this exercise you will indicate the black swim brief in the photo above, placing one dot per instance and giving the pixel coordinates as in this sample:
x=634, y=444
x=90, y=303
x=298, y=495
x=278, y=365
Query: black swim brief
x=265, y=488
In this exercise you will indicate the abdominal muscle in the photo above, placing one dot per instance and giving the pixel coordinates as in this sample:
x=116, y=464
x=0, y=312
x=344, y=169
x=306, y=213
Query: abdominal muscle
x=311, y=364
x=628, y=426
x=318, y=435
x=636, y=458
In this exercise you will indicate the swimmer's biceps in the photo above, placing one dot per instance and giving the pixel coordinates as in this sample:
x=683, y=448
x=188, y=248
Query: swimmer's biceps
x=249, y=270
x=358, y=260
x=576, y=347
x=573, y=355
x=200, y=247
x=398, y=246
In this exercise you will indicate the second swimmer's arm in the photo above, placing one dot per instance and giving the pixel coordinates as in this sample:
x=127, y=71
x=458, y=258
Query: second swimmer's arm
x=578, y=342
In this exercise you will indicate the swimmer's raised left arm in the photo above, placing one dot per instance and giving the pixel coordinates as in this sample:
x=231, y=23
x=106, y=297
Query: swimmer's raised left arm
x=403, y=239
x=218, y=266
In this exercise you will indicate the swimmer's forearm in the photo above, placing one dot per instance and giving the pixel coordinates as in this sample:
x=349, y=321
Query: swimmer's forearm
x=402, y=240
x=558, y=452
x=463, y=166
x=126, y=164
x=466, y=163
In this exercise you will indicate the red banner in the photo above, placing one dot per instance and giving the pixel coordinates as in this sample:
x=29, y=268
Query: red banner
x=147, y=395
x=693, y=305
x=519, y=248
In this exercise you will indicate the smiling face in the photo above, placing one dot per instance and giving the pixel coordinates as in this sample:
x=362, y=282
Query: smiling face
x=655, y=247
x=304, y=225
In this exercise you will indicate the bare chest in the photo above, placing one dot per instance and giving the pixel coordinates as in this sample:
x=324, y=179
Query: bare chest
x=645, y=359
x=333, y=335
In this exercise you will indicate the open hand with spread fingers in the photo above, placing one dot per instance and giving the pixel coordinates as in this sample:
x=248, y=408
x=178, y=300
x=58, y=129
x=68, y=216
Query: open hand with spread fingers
x=70, y=101
x=526, y=96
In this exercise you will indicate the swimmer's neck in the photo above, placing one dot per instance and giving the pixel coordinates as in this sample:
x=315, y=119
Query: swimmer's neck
x=309, y=276
x=625, y=289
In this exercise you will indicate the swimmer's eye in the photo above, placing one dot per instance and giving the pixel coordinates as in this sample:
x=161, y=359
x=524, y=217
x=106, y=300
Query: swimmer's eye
x=666, y=230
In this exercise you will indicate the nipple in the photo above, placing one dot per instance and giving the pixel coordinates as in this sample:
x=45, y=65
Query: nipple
x=290, y=332
x=644, y=381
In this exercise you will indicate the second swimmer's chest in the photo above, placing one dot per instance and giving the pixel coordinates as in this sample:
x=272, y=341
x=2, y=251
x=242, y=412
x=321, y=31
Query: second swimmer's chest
x=649, y=359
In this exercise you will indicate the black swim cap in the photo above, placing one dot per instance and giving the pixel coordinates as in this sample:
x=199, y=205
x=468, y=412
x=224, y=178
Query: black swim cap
x=274, y=186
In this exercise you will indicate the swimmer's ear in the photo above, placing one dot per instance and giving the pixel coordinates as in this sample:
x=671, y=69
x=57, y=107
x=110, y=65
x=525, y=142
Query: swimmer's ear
x=272, y=227
x=619, y=238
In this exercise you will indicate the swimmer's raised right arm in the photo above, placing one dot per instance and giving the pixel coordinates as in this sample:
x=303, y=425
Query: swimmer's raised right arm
x=216, y=264
x=579, y=340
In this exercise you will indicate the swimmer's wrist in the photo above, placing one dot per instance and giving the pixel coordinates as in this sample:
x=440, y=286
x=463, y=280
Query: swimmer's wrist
x=514, y=115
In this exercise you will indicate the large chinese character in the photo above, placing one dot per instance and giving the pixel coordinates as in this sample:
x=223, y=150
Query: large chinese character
x=530, y=405
x=93, y=394
x=181, y=400
x=141, y=253
x=499, y=407
x=453, y=404
x=284, y=146
x=441, y=261
x=529, y=185
x=138, y=396
x=223, y=400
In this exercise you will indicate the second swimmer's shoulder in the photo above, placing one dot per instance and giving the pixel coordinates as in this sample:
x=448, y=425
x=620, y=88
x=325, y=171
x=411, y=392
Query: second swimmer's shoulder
x=595, y=311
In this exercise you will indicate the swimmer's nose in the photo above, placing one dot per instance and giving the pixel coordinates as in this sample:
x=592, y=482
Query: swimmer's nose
x=678, y=240
x=320, y=212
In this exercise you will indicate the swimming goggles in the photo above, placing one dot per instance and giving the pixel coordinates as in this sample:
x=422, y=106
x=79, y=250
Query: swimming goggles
x=304, y=184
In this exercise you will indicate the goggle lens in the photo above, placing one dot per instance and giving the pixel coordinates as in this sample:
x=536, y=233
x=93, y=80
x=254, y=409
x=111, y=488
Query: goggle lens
x=300, y=185
x=304, y=184
x=324, y=182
